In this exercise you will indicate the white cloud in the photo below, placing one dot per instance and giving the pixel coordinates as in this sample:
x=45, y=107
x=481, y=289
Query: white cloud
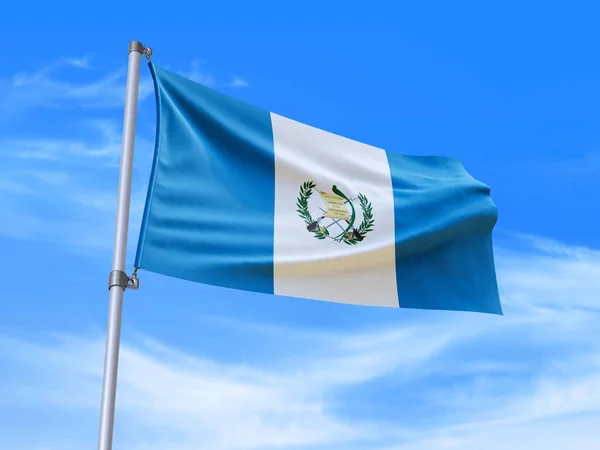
x=559, y=278
x=531, y=376
x=49, y=177
x=576, y=167
x=24, y=78
x=44, y=89
x=237, y=82
x=529, y=379
x=100, y=147
x=14, y=187
x=180, y=394
x=79, y=176
x=199, y=75
x=91, y=144
x=41, y=89
x=58, y=149
x=88, y=226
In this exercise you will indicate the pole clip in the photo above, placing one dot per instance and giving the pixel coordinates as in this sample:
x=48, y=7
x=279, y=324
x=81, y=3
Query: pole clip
x=121, y=279
x=137, y=46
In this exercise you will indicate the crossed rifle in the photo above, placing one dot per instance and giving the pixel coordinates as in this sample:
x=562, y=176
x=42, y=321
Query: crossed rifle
x=313, y=225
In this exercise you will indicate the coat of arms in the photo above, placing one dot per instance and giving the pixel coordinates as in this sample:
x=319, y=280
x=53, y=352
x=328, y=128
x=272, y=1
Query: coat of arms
x=337, y=219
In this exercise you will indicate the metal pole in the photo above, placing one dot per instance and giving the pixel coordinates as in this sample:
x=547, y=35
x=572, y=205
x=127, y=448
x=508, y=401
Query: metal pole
x=118, y=280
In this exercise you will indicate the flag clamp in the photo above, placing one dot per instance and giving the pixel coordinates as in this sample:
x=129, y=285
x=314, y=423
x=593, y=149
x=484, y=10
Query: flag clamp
x=148, y=53
x=121, y=279
x=136, y=46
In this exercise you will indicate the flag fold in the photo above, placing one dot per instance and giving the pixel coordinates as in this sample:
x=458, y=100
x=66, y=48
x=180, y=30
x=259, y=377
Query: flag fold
x=244, y=198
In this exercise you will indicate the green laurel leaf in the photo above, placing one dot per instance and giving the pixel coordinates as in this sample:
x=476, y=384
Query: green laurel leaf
x=367, y=223
x=366, y=226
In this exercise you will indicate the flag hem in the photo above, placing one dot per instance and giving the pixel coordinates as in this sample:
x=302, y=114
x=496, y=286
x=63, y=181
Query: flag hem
x=153, y=173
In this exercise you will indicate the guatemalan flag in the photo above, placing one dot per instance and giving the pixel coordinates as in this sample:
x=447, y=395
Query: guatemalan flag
x=244, y=198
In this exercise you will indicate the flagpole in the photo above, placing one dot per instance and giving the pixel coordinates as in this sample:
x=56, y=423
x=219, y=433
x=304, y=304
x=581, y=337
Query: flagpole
x=118, y=279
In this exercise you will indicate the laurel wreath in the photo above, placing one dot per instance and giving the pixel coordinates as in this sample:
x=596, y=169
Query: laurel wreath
x=368, y=222
x=365, y=227
x=302, y=204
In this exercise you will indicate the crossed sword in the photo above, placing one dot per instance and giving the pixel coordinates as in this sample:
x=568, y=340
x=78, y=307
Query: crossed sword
x=335, y=221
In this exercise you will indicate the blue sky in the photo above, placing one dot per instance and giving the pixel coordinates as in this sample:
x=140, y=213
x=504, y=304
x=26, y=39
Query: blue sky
x=513, y=90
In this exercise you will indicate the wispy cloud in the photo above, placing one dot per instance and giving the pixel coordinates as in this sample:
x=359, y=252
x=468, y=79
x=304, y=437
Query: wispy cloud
x=87, y=219
x=48, y=177
x=18, y=182
x=558, y=277
x=58, y=149
x=98, y=146
x=532, y=375
x=198, y=399
x=25, y=78
x=45, y=89
x=42, y=89
x=85, y=149
x=199, y=74
x=76, y=176
x=574, y=167
x=237, y=82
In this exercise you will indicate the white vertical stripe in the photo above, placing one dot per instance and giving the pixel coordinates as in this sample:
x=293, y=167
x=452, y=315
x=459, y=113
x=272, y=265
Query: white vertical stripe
x=307, y=267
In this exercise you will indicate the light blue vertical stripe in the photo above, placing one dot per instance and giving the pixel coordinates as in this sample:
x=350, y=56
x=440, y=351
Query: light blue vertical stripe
x=443, y=224
x=209, y=214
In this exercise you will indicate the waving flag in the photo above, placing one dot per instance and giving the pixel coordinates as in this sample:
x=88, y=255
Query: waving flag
x=244, y=198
